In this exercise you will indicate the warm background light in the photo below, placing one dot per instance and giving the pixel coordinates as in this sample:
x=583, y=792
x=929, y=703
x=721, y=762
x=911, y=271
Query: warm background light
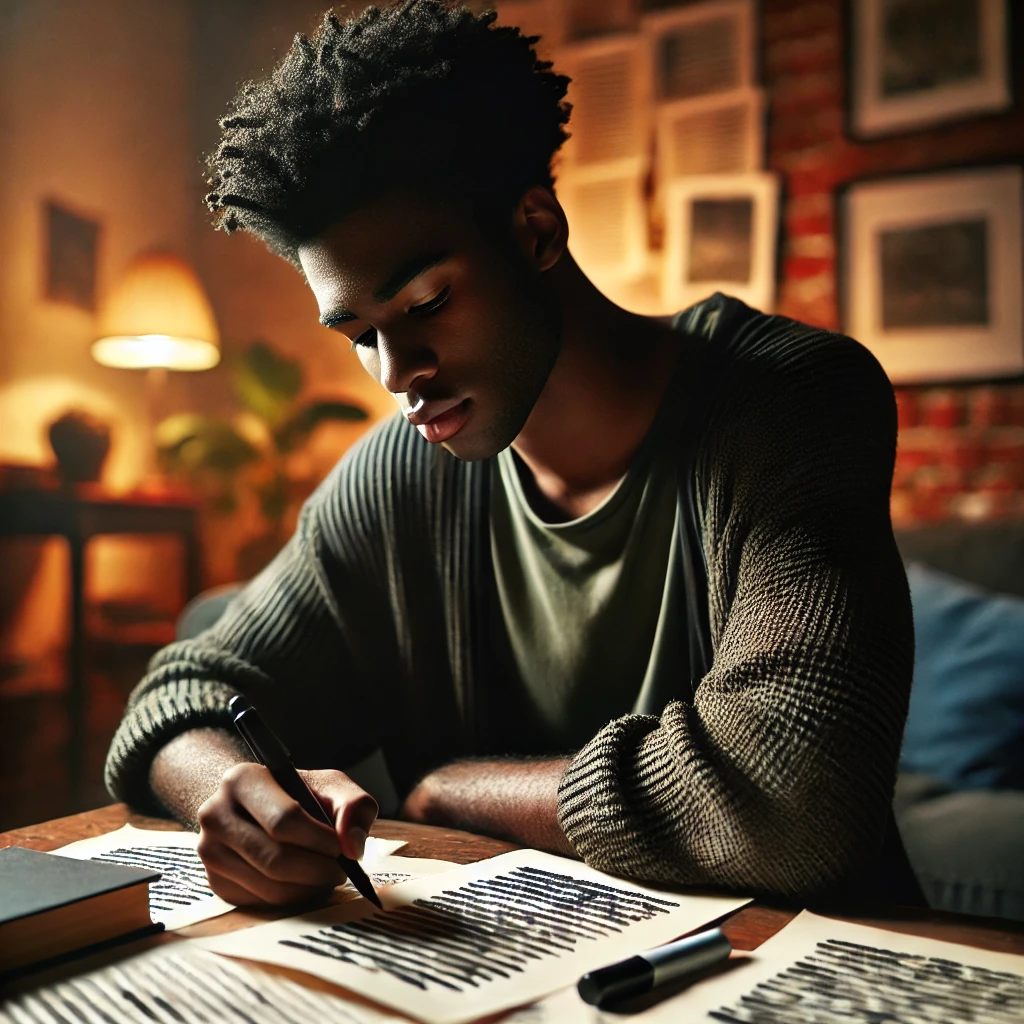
x=158, y=315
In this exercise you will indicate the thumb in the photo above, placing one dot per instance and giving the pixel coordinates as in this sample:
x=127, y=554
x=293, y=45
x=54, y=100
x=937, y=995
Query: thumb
x=352, y=809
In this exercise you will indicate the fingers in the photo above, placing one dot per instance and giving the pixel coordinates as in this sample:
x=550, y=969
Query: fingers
x=253, y=788
x=351, y=807
x=236, y=880
x=259, y=846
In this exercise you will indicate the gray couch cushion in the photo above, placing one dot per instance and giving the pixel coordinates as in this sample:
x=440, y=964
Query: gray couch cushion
x=990, y=555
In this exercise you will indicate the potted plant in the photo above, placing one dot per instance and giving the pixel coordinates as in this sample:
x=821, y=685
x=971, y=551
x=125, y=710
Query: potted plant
x=224, y=459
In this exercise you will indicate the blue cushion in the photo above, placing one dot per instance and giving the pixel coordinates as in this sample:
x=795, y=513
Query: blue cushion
x=966, y=720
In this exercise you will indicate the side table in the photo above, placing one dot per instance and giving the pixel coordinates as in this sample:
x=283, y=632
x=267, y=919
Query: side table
x=79, y=514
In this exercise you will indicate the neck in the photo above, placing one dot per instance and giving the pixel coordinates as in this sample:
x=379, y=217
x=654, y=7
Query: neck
x=601, y=398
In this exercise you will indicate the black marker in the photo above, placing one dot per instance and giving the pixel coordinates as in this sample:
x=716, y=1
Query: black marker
x=272, y=753
x=641, y=973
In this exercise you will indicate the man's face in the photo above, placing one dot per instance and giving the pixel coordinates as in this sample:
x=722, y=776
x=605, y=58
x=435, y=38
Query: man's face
x=461, y=329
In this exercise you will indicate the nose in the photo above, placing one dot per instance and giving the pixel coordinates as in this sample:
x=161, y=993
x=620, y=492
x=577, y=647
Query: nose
x=401, y=367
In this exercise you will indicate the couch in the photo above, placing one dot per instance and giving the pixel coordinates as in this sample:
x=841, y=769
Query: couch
x=966, y=844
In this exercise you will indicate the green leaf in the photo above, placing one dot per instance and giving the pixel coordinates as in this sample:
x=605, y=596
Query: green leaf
x=191, y=444
x=267, y=382
x=273, y=498
x=297, y=427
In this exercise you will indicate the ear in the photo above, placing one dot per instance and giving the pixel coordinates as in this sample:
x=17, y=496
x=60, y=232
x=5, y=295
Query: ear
x=540, y=227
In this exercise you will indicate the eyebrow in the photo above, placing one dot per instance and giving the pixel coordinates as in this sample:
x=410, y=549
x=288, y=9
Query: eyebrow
x=405, y=274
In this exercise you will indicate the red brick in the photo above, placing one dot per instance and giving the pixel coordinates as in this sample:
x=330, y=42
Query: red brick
x=930, y=506
x=797, y=18
x=942, y=407
x=1015, y=407
x=988, y=407
x=963, y=453
x=906, y=408
x=809, y=224
x=800, y=267
x=803, y=55
x=998, y=479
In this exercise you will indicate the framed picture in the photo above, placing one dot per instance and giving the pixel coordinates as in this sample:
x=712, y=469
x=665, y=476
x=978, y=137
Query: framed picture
x=720, y=236
x=932, y=273
x=607, y=213
x=719, y=134
x=915, y=63
x=702, y=49
x=610, y=96
x=71, y=243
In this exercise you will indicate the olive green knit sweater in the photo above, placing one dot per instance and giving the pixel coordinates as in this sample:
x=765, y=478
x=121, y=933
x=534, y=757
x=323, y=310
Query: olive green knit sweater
x=771, y=773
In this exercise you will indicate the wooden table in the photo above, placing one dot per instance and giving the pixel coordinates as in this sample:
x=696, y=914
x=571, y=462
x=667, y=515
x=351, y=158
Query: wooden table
x=78, y=514
x=746, y=929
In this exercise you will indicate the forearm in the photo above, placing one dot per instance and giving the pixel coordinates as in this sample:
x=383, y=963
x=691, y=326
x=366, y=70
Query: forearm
x=190, y=767
x=513, y=800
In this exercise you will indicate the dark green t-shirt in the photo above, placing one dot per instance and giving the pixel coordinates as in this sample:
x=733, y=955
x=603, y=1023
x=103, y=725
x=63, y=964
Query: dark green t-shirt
x=586, y=612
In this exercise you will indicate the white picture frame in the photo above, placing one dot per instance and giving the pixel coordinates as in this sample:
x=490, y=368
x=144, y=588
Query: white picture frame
x=897, y=84
x=610, y=97
x=932, y=273
x=606, y=208
x=721, y=233
x=719, y=134
x=701, y=49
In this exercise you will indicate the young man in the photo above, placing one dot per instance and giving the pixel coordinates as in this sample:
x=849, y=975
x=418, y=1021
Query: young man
x=607, y=585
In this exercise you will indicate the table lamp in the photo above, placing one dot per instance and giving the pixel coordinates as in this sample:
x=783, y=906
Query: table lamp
x=157, y=318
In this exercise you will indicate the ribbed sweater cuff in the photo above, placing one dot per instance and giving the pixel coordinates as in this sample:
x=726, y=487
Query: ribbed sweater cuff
x=154, y=718
x=592, y=802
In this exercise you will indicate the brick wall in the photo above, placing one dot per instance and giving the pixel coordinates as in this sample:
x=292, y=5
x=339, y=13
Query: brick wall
x=961, y=448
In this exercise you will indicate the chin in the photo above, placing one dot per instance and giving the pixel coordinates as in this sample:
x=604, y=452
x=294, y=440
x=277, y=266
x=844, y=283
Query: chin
x=474, y=445
x=471, y=449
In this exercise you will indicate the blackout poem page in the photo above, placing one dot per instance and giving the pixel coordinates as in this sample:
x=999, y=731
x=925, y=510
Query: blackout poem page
x=478, y=939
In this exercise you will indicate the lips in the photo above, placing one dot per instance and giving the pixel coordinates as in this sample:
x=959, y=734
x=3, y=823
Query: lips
x=438, y=421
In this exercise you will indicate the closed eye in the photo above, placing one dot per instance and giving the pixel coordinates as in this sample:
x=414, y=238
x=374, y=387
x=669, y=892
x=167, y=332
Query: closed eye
x=435, y=303
x=368, y=339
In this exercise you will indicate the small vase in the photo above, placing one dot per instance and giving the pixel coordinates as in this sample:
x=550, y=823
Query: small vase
x=80, y=443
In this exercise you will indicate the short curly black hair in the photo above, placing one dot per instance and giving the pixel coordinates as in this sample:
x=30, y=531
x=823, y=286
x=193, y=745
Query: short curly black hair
x=420, y=94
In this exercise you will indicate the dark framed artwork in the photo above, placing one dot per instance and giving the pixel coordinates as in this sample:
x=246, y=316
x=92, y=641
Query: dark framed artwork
x=71, y=244
x=932, y=273
x=915, y=63
x=701, y=49
x=720, y=235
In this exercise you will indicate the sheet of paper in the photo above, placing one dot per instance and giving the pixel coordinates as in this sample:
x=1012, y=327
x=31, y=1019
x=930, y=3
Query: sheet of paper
x=390, y=870
x=822, y=970
x=478, y=939
x=182, y=896
x=176, y=985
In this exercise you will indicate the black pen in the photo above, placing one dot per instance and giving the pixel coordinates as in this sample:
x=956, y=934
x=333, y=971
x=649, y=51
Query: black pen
x=273, y=754
x=641, y=973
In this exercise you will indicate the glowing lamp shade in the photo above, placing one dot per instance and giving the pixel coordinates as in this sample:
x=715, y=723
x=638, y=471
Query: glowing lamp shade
x=158, y=316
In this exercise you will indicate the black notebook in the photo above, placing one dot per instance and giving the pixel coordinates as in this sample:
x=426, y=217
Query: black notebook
x=51, y=905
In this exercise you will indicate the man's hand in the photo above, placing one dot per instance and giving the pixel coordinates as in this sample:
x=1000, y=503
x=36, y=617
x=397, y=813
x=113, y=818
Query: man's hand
x=258, y=844
x=514, y=800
